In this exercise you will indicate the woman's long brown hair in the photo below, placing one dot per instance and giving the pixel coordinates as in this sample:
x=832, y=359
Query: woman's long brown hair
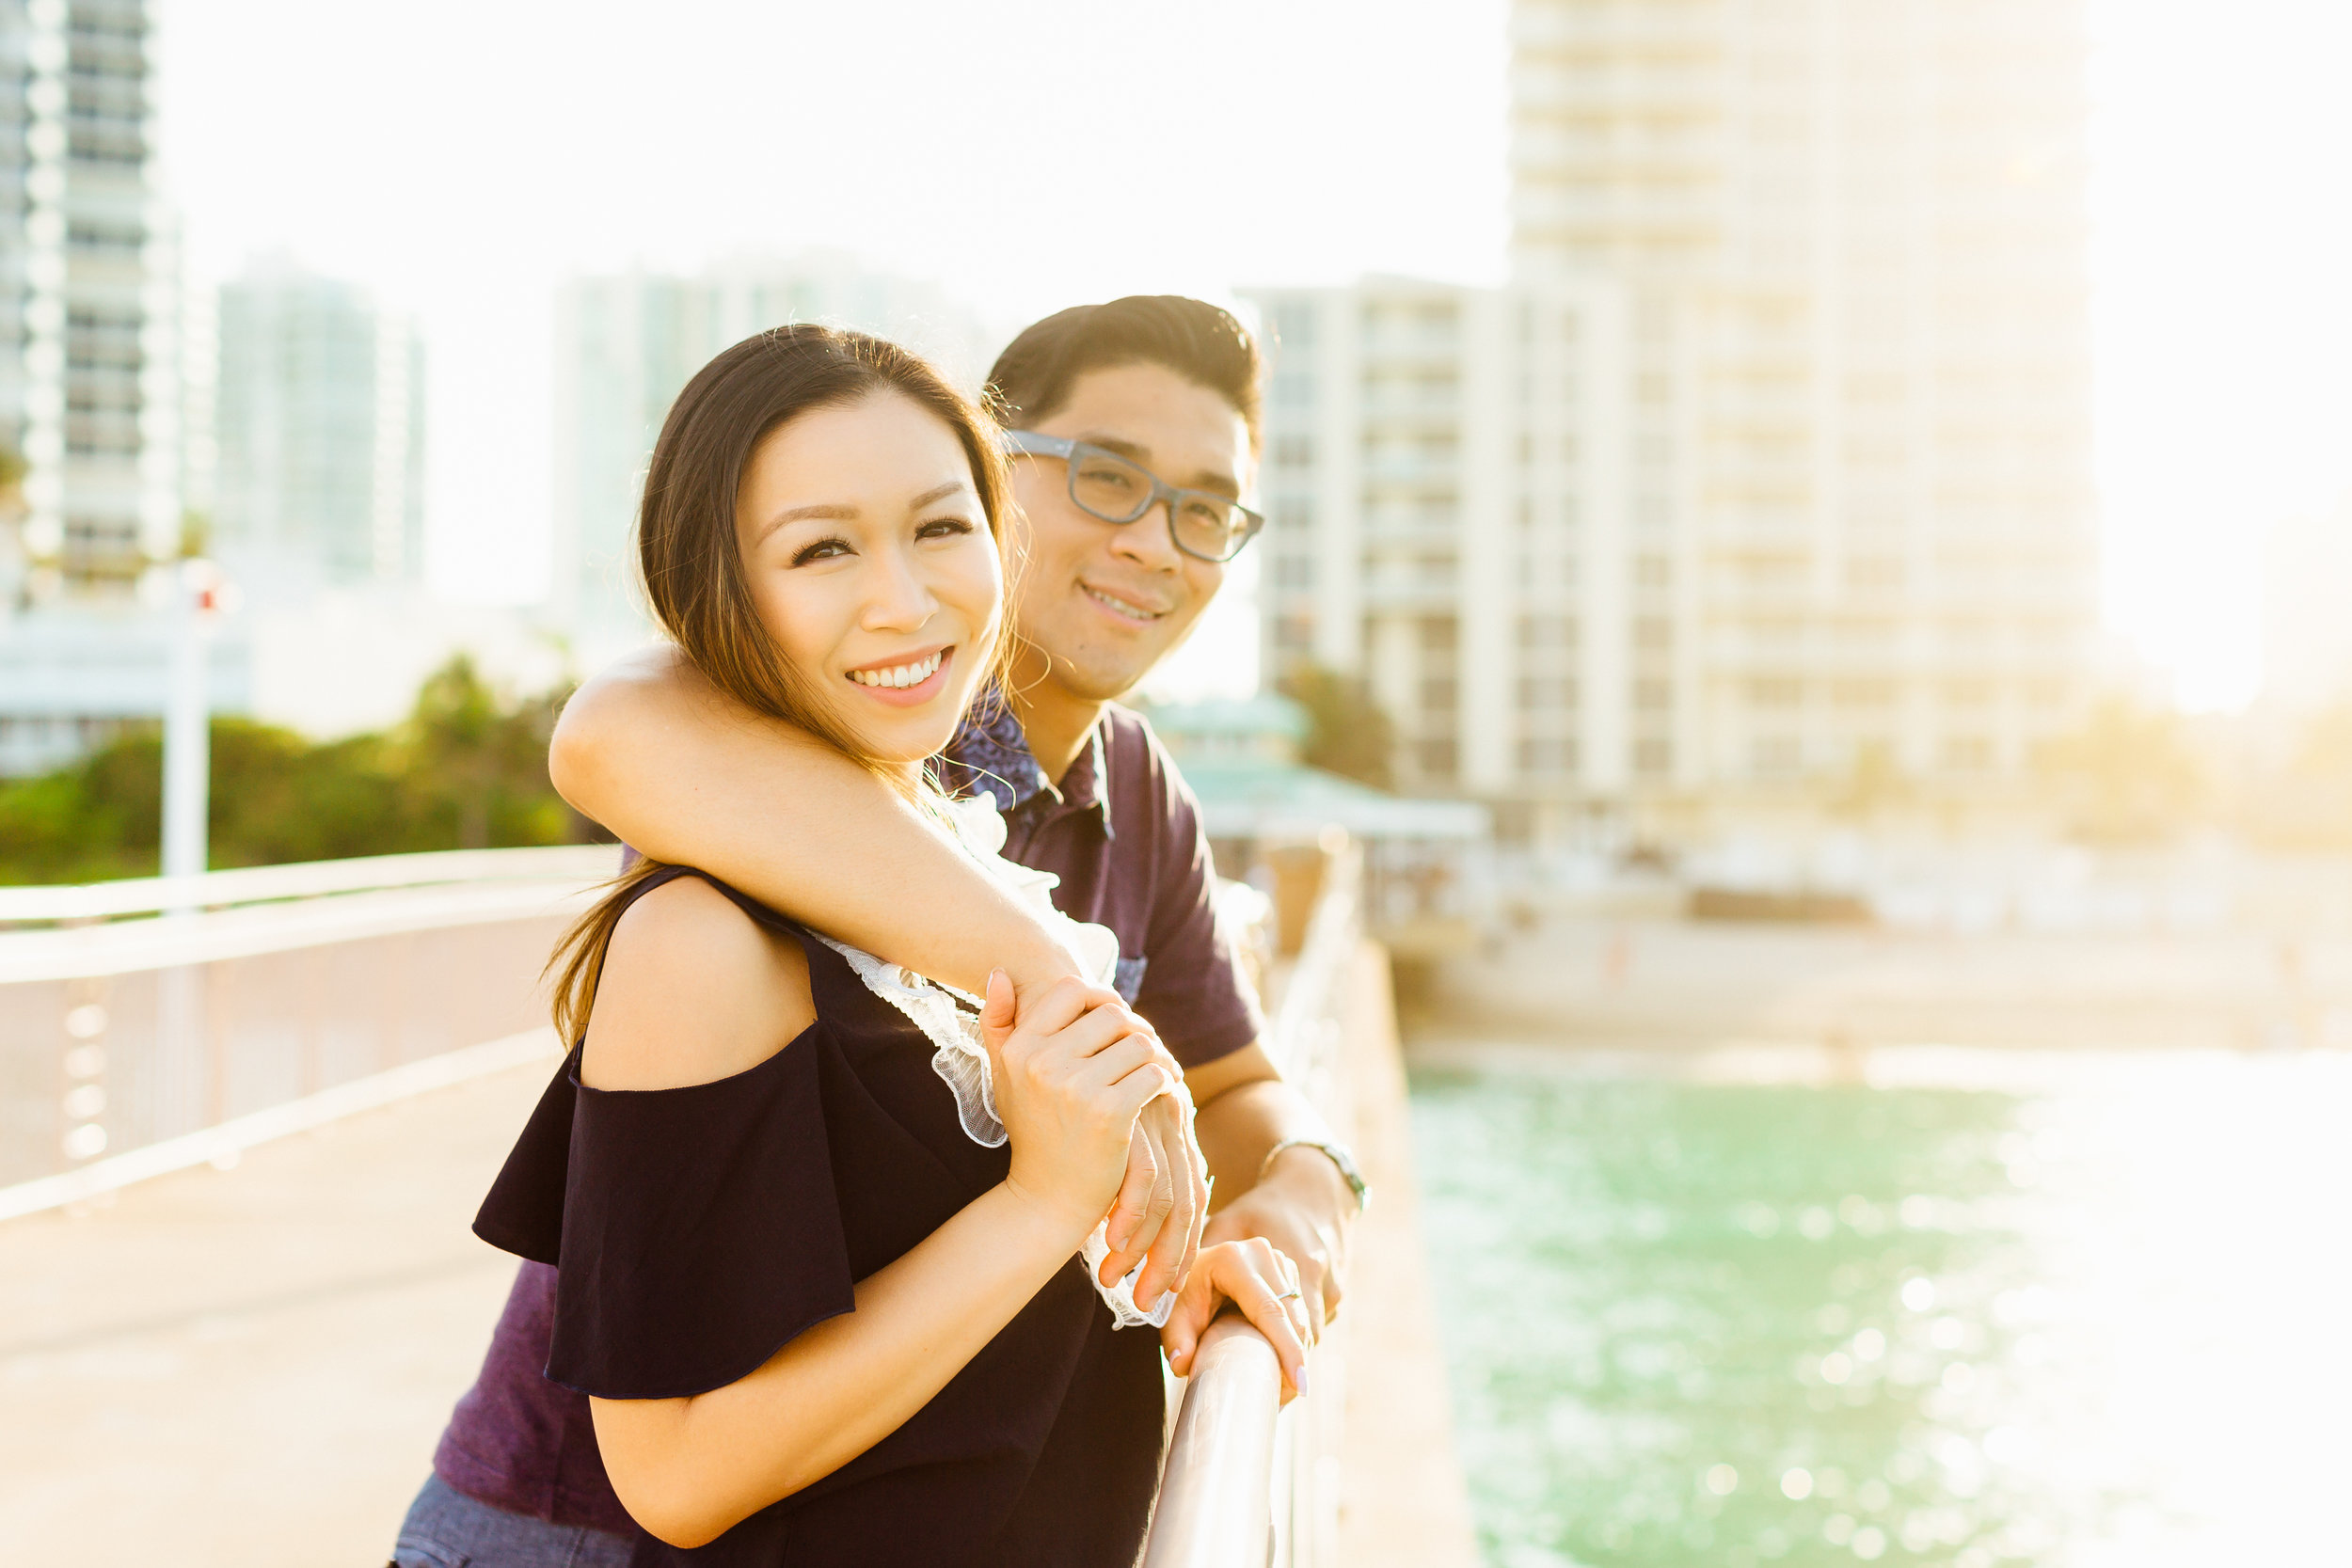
x=690, y=564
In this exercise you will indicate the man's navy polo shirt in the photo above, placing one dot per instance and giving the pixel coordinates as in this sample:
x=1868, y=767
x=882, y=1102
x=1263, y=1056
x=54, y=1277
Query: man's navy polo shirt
x=1124, y=834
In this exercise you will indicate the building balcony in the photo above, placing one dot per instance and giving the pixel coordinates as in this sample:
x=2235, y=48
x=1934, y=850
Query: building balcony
x=1395, y=347
x=1416, y=407
x=1408, y=590
x=1393, y=532
x=1422, y=472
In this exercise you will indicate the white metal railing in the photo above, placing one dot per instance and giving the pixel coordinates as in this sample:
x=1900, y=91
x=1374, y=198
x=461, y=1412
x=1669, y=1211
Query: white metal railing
x=303, y=989
x=310, y=879
x=1246, y=1482
x=151, y=1013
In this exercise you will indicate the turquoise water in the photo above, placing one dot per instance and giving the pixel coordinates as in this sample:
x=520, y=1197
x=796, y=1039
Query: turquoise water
x=2100, y=1322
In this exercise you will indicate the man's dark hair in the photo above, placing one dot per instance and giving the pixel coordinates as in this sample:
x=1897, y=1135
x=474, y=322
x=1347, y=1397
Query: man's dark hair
x=1032, y=378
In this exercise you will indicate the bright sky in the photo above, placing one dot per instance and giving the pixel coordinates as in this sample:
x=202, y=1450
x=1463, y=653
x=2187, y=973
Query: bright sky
x=462, y=157
x=2222, y=271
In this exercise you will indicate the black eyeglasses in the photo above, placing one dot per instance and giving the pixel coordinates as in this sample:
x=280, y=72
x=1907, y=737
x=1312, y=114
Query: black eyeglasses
x=1202, y=523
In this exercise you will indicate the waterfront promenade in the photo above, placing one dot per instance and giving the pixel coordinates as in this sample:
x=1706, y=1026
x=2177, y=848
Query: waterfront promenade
x=248, y=1366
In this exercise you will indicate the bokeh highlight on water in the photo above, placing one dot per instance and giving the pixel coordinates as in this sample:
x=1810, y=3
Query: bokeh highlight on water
x=2093, y=1324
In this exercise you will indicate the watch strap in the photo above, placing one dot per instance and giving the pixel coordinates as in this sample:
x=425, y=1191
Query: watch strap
x=1336, y=1152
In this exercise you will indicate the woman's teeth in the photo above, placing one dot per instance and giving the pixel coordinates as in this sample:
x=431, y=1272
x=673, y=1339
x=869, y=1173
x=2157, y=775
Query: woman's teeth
x=901, y=675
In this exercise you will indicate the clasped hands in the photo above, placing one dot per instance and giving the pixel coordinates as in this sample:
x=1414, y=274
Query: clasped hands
x=1101, y=1131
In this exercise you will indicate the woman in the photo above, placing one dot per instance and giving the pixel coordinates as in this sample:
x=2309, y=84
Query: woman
x=818, y=1247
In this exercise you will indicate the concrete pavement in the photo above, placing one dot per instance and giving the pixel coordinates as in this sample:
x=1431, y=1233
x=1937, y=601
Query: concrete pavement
x=250, y=1366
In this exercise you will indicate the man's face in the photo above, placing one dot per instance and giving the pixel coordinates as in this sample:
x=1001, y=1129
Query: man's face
x=1104, y=602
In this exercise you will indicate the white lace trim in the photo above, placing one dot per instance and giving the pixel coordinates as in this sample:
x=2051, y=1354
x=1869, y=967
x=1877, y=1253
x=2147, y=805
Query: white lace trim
x=948, y=1019
x=1121, y=1298
x=957, y=1054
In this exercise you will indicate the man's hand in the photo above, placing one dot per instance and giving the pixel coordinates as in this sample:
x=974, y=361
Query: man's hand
x=1161, y=1203
x=1304, y=1206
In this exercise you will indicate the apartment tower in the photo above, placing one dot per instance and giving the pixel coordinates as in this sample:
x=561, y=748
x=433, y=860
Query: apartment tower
x=1852, y=235
x=317, y=450
x=1450, y=506
x=627, y=344
x=88, y=381
x=1769, y=474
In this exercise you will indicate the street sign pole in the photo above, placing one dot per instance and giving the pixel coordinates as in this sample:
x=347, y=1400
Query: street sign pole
x=188, y=721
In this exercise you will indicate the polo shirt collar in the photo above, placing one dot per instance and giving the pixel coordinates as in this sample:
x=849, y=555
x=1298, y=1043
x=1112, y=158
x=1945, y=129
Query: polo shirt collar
x=990, y=756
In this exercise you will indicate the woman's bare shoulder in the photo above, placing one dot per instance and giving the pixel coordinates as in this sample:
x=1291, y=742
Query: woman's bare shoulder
x=693, y=991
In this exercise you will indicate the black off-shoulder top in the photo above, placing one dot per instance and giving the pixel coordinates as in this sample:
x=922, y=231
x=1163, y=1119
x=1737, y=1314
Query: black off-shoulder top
x=697, y=1231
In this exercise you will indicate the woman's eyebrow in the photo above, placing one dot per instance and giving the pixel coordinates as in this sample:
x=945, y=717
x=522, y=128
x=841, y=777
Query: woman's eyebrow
x=937, y=492
x=842, y=513
x=833, y=511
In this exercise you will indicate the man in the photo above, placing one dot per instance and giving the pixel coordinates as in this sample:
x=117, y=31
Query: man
x=1134, y=427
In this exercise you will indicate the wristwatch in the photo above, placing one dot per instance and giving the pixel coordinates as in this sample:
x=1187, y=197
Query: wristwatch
x=1338, y=1155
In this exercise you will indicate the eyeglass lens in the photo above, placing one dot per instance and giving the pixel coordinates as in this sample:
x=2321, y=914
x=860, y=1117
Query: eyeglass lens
x=1118, y=491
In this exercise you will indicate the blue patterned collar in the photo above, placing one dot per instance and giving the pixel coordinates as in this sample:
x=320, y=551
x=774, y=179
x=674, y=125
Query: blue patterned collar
x=990, y=755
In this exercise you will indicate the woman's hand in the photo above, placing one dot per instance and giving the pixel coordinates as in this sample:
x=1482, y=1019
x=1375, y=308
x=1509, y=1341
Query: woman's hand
x=1070, y=1072
x=1262, y=1282
x=1161, y=1204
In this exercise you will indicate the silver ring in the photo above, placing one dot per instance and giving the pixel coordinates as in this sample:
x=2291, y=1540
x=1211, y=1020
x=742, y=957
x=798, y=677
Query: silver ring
x=1291, y=1294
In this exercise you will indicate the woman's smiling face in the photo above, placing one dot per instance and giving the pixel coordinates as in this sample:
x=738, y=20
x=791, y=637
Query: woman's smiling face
x=871, y=565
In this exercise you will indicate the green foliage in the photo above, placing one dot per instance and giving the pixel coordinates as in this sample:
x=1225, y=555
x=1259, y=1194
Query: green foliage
x=2128, y=776
x=1347, y=732
x=478, y=766
x=468, y=770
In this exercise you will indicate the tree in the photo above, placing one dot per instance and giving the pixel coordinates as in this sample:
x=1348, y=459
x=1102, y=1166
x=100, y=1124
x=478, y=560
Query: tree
x=2128, y=776
x=478, y=766
x=468, y=770
x=1347, y=733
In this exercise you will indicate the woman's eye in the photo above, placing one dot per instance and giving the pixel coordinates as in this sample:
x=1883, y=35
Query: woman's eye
x=943, y=528
x=824, y=549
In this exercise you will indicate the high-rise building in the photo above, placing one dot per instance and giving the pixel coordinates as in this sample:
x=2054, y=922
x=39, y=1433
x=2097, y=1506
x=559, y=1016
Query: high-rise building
x=626, y=345
x=90, y=381
x=1771, y=468
x=1851, y=232
x=317, y=437
x=1450, y=496
x=89, y=376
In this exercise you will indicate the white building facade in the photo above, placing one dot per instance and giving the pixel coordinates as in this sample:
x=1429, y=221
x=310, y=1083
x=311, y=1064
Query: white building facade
x=88, y=371
x=626, y=345
x=1770, y=470
x=1852, y=235
x=315, y=476
x=89, y=382
x=1449, y=491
